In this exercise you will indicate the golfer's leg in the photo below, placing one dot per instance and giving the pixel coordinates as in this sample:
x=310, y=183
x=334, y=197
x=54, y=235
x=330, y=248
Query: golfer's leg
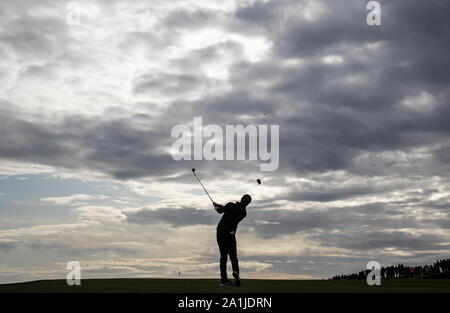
x=223, y=256
x=233, y=254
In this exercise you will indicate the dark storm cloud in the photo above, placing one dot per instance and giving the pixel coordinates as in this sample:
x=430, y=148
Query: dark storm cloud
x=442, y=153
x=167, y=83
x=341, y=119
x=232, y=105
x=331, y=194
x=32, y=35
x=273, y=223
x=115, y=147
x=171, y=216
x=119, y=147
x=337, y=121
x=382, y=239
x=280, y=222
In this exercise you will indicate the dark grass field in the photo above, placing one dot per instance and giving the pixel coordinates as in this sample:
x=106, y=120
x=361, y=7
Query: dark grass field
x=145, y=285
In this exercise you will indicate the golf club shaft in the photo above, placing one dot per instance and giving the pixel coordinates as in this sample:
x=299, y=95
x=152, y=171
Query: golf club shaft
x=203, y=187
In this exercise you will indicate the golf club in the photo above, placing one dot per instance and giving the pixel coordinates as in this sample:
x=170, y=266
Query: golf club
x=193, y=171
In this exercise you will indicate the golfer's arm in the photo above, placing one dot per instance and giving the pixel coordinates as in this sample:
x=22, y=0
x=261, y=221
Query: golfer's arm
x=219, y=208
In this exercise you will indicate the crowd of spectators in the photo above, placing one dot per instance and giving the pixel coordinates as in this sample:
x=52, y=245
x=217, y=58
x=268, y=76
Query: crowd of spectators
x=403, y=271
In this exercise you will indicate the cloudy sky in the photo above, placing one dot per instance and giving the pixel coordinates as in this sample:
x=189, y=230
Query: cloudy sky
x=86, y=114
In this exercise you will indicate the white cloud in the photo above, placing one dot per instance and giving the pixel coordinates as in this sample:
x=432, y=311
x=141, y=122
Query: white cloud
x=74, y=199
x=100, y=214
x=41, y=230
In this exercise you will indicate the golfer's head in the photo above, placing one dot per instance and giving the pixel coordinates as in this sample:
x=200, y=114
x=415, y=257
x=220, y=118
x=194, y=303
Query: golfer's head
x=246, y=199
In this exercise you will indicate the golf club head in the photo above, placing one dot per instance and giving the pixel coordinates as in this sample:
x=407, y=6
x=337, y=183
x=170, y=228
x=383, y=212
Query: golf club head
x=193, y=170
x=258, y=181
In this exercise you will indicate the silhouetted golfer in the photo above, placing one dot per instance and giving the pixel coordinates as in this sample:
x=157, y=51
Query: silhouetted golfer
x=233, y=213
